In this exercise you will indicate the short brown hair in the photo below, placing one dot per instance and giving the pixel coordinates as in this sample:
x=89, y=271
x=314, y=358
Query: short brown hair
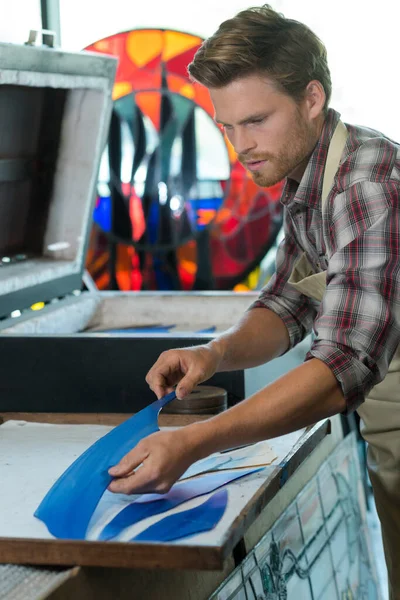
x=261, y=40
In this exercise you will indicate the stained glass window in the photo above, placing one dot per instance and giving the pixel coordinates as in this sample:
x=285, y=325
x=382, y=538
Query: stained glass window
x=175, y=209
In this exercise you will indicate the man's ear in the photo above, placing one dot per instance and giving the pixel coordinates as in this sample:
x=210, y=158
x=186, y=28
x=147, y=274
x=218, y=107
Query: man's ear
x=315, y=98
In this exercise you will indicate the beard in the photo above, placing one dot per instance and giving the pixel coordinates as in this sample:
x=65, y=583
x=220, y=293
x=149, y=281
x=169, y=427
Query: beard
x=295, y=151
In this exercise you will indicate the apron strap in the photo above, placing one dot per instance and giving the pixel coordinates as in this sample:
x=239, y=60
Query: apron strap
x=335, y=152
x=302, y=277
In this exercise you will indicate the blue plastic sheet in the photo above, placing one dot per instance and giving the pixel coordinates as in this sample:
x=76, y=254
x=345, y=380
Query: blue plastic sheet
x=156, y=329
x=143, y=330
x=150, y=505
x=207, y=330
x=188, y=522
x=213, y=463
x=68, y=506
x=207, y=464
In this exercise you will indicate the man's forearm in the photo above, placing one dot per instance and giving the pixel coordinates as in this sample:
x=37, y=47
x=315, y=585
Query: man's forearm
x=259, y=337
x=302, y=397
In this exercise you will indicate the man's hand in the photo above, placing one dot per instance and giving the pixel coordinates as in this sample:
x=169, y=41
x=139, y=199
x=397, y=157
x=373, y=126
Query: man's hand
x=164, y=456
x=184, y=367
x=302, y=397
x=259, y=337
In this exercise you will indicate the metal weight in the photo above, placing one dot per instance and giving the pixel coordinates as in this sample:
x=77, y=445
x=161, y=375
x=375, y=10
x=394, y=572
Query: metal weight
x=205, y=399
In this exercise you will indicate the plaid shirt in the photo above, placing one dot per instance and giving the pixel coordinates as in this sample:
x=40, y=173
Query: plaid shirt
x=357, y=324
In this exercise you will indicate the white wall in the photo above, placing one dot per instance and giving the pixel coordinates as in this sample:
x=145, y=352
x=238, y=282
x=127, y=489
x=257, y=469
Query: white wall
x=360, y=35
x=17, y=17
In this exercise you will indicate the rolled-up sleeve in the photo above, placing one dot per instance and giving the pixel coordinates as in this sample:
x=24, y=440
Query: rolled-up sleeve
x=296, y=310
x=357, y=328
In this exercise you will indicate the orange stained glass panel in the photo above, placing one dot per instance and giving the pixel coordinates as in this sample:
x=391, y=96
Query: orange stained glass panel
x=115, y=45
x=149, y=103
x=231, y=151
x=178, y=65
x=203, y=99
x=187, y=264
x=177, y=83
x=206, y=215
x=137, y=217
x=120, y=89
x=146, y=80
x=177, y=43
x=188, y=91
x=124, y=263
x=102, y=46
x=143, y=46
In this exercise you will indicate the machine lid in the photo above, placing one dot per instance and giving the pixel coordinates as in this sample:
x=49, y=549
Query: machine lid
x=55, y=109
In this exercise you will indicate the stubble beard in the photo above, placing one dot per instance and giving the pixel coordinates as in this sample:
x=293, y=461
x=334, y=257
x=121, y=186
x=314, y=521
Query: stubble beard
x=296, y=151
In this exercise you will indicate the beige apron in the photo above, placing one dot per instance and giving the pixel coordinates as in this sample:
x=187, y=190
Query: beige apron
x=380, y=413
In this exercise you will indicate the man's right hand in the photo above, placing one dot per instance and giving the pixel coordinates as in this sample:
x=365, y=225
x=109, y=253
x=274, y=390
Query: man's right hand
x=184, y=368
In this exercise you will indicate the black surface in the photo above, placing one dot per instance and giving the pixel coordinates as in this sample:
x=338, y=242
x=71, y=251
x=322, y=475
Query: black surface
x=239, y=552
x=88, y=372
x=49, y=134
x=15, y=169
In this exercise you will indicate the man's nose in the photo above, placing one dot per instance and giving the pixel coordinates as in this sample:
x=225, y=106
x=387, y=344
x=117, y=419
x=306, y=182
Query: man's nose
x=243, y=142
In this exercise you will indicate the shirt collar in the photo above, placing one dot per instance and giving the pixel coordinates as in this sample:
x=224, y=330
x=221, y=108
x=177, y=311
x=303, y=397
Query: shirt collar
x=309, y=190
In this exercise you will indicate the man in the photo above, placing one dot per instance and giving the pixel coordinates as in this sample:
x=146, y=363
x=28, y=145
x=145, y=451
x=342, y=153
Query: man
x=337, y=268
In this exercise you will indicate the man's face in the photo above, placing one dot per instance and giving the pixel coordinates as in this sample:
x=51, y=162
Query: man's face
x=271, y=133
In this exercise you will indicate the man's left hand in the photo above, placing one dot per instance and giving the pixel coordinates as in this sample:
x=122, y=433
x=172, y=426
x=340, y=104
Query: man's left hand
x=155, y=463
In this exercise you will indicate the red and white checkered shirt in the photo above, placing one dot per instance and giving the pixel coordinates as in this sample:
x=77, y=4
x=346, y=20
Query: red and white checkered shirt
x=357, y=240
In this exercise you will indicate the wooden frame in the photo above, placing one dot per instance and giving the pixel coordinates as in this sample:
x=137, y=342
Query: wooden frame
x=153, y=555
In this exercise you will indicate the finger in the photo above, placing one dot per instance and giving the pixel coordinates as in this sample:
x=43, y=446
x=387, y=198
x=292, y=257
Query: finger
x=140, y=482
x=188, y=382
x=159, y=385
x=161, y=391
x=168, y=390
x=129, y=462
x=164, y=372
x=160, y=367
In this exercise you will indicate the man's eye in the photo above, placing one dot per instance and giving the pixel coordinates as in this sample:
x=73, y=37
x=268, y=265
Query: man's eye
x=257, y=121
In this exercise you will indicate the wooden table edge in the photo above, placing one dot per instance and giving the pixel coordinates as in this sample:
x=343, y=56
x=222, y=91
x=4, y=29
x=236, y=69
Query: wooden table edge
x=84, y=553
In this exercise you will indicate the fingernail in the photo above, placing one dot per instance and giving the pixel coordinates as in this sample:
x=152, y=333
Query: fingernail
x=113, y=470
x=181, y=393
